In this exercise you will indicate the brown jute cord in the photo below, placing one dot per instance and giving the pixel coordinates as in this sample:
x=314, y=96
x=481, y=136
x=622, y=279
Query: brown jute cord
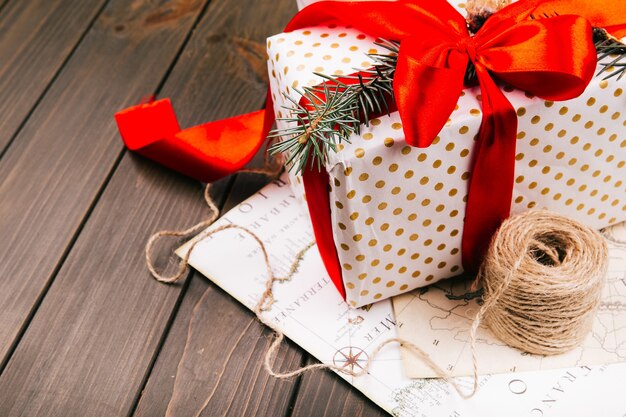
x=267, y=298
x=481, y=7
x=542, y=278
x=184, y=262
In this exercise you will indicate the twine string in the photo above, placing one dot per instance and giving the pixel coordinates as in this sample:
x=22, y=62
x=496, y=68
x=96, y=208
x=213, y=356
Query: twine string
x=183, y=264
x=539, y=248
x=488, y=302
x=267, y=298
x=272, y=168
x=482, y=7
x=542, y=279
x=265, y=303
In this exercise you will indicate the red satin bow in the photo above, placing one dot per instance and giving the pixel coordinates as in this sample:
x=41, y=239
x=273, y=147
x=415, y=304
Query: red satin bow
x=551, y=58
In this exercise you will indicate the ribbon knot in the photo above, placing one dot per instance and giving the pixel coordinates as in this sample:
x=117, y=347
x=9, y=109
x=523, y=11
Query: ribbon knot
x=468, y=45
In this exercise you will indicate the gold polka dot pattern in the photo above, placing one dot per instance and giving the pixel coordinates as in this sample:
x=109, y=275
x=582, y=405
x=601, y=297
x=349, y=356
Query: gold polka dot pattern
x=397, y=211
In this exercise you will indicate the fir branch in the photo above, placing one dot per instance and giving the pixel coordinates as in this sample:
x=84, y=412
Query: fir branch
x=323, y=123
x=611, y=54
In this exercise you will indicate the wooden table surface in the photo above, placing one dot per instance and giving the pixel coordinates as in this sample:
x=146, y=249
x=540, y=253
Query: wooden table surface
x=84, y=329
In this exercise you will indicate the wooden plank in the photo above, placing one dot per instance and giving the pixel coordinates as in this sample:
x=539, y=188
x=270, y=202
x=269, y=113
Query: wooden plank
x=333, y=397
x=63, y=156
x=93, y=339
x=3, y=3
x=211, y=362
x=227, y=378
x=36, y=38
x=244, y=186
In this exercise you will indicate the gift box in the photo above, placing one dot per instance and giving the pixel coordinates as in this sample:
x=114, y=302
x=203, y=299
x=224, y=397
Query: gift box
x=397, y=211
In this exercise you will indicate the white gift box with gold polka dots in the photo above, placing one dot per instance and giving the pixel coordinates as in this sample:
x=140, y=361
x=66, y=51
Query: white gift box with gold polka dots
x=397, y=211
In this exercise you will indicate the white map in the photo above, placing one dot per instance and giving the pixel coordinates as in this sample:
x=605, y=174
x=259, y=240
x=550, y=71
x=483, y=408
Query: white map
x=310, y=311
x=438, y=318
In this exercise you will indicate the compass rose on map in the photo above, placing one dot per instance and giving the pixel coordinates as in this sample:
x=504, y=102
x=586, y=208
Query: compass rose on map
x=350, y=359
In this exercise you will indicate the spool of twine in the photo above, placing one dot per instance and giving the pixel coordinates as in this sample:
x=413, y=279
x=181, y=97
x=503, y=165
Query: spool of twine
x=543, y=276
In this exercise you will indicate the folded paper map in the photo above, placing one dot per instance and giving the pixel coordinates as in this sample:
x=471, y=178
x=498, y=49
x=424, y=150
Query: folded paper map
x=446, y=311
x=309, y=310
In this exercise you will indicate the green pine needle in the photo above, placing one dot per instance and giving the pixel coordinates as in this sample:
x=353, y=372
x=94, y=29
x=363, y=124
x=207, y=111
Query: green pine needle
x=611, y=55
x=318, y=128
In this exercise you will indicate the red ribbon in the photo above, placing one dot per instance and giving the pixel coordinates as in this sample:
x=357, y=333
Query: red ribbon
x=205, y=152
x=553, y=58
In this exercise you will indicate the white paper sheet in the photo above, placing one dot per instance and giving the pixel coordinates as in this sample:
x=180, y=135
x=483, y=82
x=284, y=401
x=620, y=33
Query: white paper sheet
x=310, y=311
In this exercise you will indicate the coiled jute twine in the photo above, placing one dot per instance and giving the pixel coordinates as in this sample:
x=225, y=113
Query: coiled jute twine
x=542, y=276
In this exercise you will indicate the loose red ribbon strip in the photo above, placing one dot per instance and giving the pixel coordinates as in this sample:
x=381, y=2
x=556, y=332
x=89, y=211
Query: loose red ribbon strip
x=206, y=152
x=543, y=47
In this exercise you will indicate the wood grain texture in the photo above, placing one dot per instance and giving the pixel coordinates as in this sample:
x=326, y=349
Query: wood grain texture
x=36, y=38
x=227, y=377
x=93, y=339
x=75, y=212
x=211, y=363
x=56, y=168
x=324, y=394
